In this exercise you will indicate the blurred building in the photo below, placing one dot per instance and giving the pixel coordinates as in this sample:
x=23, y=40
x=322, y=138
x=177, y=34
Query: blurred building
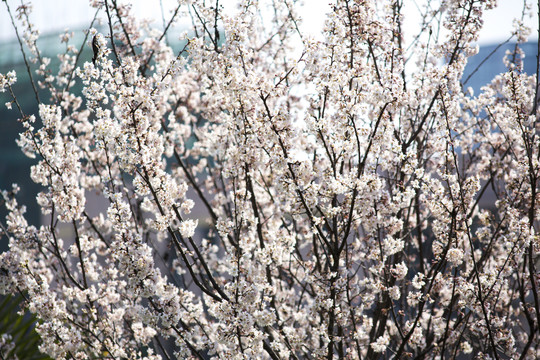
x=482, y=67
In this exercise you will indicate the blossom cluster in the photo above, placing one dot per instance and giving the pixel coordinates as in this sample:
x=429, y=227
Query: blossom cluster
x=266, y=194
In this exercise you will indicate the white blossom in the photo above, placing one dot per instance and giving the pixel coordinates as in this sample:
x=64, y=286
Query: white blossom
x=222, y=184
x=381, y=343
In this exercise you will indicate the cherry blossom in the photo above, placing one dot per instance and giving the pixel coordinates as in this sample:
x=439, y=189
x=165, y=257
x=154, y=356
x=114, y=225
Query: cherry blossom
x=238, y=188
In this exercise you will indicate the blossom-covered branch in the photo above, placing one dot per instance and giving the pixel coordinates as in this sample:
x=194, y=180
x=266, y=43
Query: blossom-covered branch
x=263, y=193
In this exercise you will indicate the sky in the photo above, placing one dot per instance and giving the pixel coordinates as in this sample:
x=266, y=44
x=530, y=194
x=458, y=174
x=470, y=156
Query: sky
x=499, y=22
x=56, y=15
